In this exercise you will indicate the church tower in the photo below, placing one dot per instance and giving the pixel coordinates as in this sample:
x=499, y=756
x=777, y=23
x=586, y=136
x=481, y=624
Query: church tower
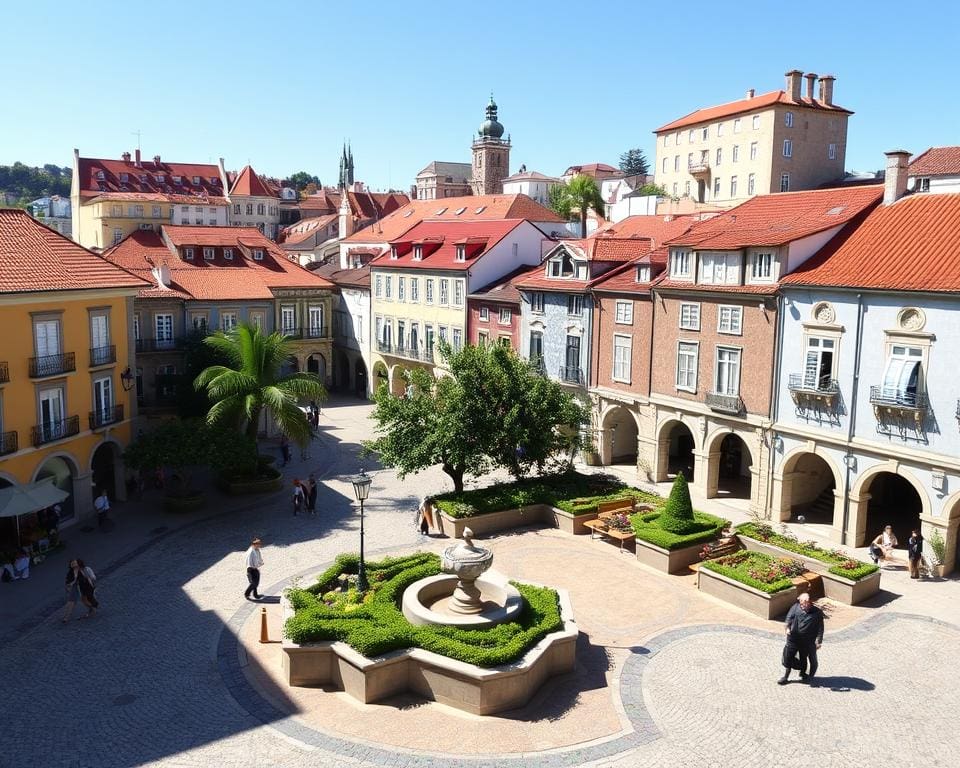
x=491, y=155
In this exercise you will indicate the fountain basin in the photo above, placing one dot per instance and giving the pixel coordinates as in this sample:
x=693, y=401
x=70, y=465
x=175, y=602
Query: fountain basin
x=425, y=602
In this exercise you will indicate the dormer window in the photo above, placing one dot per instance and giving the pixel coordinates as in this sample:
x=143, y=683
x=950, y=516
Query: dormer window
x=124, y=178
x=720, y=268
x=101, y=176
x=394, y=255
x=196, y=181
x=258, y=254
x=144, y=178
x=680, y=263
x=178, y=180
x=228, y=253
x=188, y=254
x=418, y=253
x=761, y=267
x=160, y=178
x=461, y=253
x=208, y=254
x=643, y=273
x=562, y=266
x=214, y=181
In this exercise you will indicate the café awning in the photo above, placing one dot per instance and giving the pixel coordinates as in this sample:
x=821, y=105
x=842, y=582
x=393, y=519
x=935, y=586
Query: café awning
x=23, y=499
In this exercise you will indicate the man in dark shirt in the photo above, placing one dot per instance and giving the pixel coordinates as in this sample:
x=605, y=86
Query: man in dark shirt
x=804, y=630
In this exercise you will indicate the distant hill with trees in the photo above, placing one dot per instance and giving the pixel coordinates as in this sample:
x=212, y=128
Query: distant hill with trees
x=20, y=184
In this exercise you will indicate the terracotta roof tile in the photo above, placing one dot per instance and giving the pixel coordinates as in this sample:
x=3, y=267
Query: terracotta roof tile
x=307, y=228
x=504, y=289
x=911, y=245
x=936, y=161
x=34, y=257
x=623, y=279
x=447, y=234
x=248, y=184
x=659, y=229
x=352, y=278
x=742, y=106
x=144, y=178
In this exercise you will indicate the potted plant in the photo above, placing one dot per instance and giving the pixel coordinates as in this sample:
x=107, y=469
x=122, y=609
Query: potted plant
x=939, y=549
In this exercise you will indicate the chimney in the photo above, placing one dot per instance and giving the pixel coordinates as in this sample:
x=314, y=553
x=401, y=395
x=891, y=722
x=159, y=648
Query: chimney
x=794, y=76
x=125, y=157
x=826, y=89
x=137, y=156
x=156, y=159
x=895, y=181
x=750, y=93
x=811, y=79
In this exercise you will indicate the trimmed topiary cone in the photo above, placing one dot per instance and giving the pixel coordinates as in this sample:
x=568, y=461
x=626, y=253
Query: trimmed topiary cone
x=677, y=515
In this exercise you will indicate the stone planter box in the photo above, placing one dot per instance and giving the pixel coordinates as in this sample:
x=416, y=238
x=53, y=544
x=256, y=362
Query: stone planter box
x=762, y=604
x=478, y=690
x=834, y=587
x=242, y=487
x=666, y=560
x=491, y=522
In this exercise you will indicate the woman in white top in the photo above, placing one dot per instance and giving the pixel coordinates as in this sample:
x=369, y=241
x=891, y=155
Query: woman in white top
x=882, y=547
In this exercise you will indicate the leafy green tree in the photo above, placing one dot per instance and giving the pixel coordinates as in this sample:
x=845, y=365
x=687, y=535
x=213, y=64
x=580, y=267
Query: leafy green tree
x=492, y=410
x=251, y=381
x=677, y=514
x=191, y=402
x=578, y=195
x=653, y=189
x=300, y=179
x=634, y=162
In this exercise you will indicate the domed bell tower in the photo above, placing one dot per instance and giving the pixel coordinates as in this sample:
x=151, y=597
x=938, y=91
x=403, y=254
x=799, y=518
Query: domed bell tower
x=491, y=155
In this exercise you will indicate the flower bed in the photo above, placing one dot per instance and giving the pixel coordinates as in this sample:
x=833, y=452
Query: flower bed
x=751, y=580
x=706, y=528
x=839, y=563
x=372, y=623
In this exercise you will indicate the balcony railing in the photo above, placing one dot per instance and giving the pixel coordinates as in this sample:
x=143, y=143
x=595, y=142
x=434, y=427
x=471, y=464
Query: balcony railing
x=8, y=442
x=537, y=364
x=159, y=345
x=4, y=372
x=571, y=375
x=384, y=346
x=103, y=355
x=892, y=397
x=54, y=430
x=723, y=403
x=102, y=418
x=813, y=385
x=51, y=365
x=306, y=332
x=698, y=167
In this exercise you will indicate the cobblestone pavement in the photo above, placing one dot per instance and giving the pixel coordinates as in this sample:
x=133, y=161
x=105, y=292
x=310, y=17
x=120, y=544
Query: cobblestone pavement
x=151, y=680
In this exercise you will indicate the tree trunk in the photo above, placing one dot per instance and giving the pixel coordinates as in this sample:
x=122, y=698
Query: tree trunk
x=456, y=474
x=583, y=221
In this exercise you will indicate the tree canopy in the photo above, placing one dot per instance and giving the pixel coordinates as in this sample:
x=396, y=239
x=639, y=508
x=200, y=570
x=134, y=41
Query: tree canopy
x=300, y=179
x=653, y=189
x=492, y=410
x=21, y=184
x=578, y=195
x=634, y=162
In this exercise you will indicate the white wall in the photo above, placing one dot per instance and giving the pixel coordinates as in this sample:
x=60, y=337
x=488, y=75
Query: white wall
x=499, y=260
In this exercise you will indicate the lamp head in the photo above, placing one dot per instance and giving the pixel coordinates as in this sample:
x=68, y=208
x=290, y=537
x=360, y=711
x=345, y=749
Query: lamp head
x=361, y=485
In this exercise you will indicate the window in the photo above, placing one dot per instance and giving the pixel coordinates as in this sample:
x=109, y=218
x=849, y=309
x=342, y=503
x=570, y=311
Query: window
x=160, y=178
x=733, y=186
x=482, y=338
x=457, y=335
x=138, y=211
x=288, y=320
x=679, y=263
x=719, y=129
x=249, y=209
x=196, y=181
x=208, y=254
x=705, y=133
x=720, y=269
x=417, y=253
x=727, y=380
x=643, y=273
x=572, y=359
x=690, y=136
x=155, y=212
x=428, y=339
x=228, y=321
x=664, y=162
x=536, y=302
x=686, y=188
x=256, y=319
x=163, y=330
x=136, y=327
x=784, y=182
x=101, y=176
x=414, y=337
x=258, y=254
x=378, y=286
x=736, y=125
x=624, y=312
x=818, y=365
x=677, y=137
x=676, y=163
x=401, y=288
x=199, y=321
x=901, y=379
x=188, y=253
x=261, y=209
x=787, y=148
x=690, y=317
x=761, y=266
x=442, y=332
x=228, y=254
x=716, y=187
x=388, y=287
x=753, y=150
x=622, y=346
x=177, y=180
x=458, y=293
x=687, y=366
x=401, y=334
x=736, y=153
x=236, y=209
x=103, y=401
x=575, y=304
x=536, y=349
x=315, y=321
x=484, y=314
x=117, y=235
x=788, y=119
x=116, y=210
x=674, y=189
x=730, y=319
x=921, y=184
x=415, y=290
x=666, y=138
x=751, y=184
x=461, y=253
x=444, y=292
x=429, y=290
x=756, y=122
x=505, y=316
x=831, y=151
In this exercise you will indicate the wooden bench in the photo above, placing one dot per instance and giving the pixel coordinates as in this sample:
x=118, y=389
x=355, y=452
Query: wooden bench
x=600, y=528
x=607, y=508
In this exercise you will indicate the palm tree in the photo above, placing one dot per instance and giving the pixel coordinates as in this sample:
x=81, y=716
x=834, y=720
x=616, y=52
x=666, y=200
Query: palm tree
x=252, y=381
x=579, y=194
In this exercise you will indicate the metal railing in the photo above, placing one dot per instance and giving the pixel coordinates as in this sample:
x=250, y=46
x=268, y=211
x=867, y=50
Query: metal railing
x=103, y=355
x=698, y=166
x=4, y=372
x=892, y=397
x=54, y=430
x=724, y=403
x=102, y=418
x=571, y=375
x=384, y=346
x=306, y=332
x=51, y=365
x=8, y=442
x=159, y=345
x=820, y=385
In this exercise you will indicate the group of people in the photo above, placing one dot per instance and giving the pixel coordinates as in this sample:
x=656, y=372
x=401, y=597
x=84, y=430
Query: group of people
x=881, y=549
x=81, y=587
x=305, y=495
x=17, y=568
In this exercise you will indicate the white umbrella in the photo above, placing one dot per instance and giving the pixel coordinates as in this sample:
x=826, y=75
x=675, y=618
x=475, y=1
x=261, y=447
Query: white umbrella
x=23, y=499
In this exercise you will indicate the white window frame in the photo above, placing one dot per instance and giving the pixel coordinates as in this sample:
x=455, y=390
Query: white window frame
x=784, y=182
x=414, y=290
x=258, y=254
x=902, y=356
x=735, y=154
x=458, y=293
x=756, y=122
x=831, y=151
x=388, y=287
x=788, y=119
x=719, y=268
x=288, y=318
x=730, y=319
x=209, y=253
x=751, y=183
x=680, y=261
x=536, y=302
x=719, y=156
x=401, y=288
x=506, y=316
x=228, y=254
x=623, y=312
x=378, y=286
x=815, y=346
x=736, y=125
x=228, y=321
x=733, y=186
x=444, y=292
x=575, y=305
x=484, y=314
x=788, y=147
x=691, y=351
x=621, y=343
x=428, y=298
x=762, y=267
x=688, y=316
x=732, y=367
x=754, y=149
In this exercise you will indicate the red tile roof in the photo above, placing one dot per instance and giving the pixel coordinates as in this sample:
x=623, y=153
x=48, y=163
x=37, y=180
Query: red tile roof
x=780, y=218
x=306, y=228
x=623, y=279
x=351, y=278
x=936, y=161
x=248, y=184
x=659, y=229
x=144, y=178
x=467, y=208
x=591, y=169
x=448, y=234
x=505, y=290
x=762, y=101
x=156, y=197
x=664, y=283
x=34, y=257
x=911, y=245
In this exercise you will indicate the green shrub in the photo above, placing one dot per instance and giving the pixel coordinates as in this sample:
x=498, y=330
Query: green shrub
x=677, y=514
x=841, y=563
x=372, y=623
x=703, y=528
x=237, y=483
x=754, y=569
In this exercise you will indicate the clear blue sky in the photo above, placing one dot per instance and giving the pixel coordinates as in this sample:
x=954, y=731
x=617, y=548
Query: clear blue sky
x=282, y=84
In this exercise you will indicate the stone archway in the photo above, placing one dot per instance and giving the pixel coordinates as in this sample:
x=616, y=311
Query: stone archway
x=317, y=364
x=809, y=486
x=889, y=498
x=730, y=465
x=106, y=467
x=381, y=377
x=341, y=371
x=619, y=434
x=676, y=445
x=398, y=384
x=65, y=473
x=951, y=536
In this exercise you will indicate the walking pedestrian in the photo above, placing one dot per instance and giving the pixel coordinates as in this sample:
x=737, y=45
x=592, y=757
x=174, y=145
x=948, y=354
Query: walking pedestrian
x=298, y=497
x=312, y=495
x=80, y=584
x=102, y=505
x=425, y=515
x=804, y=630
x=914, y=553
x=284, y=449
x=254, y=562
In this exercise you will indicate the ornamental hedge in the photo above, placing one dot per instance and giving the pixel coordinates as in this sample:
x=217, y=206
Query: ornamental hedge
x=840, y=563
x=754, y=569
x=372, y=623
x=647, y=527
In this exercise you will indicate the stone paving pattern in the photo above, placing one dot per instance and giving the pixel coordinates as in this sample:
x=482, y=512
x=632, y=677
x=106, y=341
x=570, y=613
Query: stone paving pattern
x=167, y=674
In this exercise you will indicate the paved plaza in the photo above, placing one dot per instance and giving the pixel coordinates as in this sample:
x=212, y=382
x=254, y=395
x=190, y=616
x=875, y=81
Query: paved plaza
x=171, y=674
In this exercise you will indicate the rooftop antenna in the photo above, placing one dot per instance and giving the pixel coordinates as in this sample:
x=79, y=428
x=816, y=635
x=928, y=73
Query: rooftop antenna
x=137, y=134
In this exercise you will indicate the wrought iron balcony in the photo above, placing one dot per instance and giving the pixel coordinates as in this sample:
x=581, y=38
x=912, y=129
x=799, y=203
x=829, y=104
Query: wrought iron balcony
x=4, y=372
x=571, y=375
x=159, y=345
x=538, y=365
x=384, y=346
x=305, y=332
x=898, y=399
x=103, y=355
x=698, y=167
x=54, y=430
x=813, y=385
x=8, y=442
x=102, y=418
x=51, y=365
x=724, y=403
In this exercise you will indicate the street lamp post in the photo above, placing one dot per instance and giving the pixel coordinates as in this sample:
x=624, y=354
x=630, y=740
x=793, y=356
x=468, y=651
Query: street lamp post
x=361, y=488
